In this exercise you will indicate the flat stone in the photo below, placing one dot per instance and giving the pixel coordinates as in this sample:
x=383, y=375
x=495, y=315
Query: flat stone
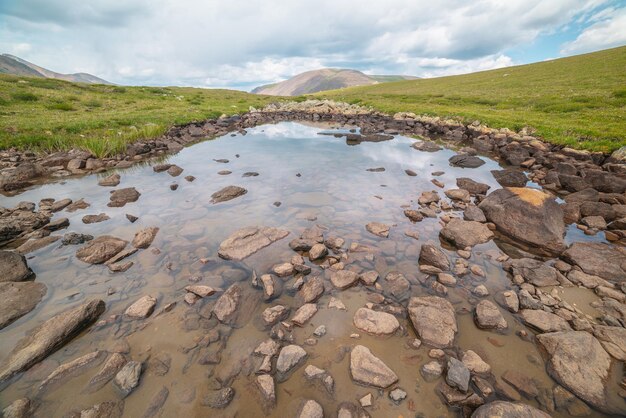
x=474, y=213
x=304, y=314
x=544, y=321
x=310, y=409
x=461, y=195
x=533, y=271
x=127, y=378
x=378, y=229
x=35, y=244
x=465, y=161
x=174, y=170
x=502, y=409
x=510, y=178
x=100, y=249
x=465, y=234
x=108, y=371
x=107, y=409
x=73, y=238
x=613, y=340
x=248, y=241
x=377, y=323
x=200, y=290
x=110, y=181
x=431, y=255
x=472, y=186
x=48, y=337
x=344, y=279
x=227, y=193
x=18, y=298
x=155, y=405
x=598, y=259
x=121, y=197
x=225, y=309
x=275, y=314
x=289, y=357
x=312, y=290
x=433, y=319
x=144, y=237
x=72, y=369
x=19, y=408
x=142, y=308
x=367, y=369
x=13, y=267
x=488, y=316
x=475, y=363
x=579, y=363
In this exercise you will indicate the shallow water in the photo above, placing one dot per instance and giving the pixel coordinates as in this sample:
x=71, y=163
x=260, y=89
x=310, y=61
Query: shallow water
x=334, y=190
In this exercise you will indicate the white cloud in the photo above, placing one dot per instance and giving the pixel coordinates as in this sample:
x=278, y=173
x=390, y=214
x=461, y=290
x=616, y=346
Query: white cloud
x=243, y=43
x=609, y=30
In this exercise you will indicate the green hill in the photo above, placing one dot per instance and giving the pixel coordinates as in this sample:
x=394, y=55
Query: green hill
x=48, y=114
x=578, y=101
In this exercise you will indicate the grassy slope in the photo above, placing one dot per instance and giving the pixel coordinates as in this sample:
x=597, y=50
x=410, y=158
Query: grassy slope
x=46, y=114
x=577, y=101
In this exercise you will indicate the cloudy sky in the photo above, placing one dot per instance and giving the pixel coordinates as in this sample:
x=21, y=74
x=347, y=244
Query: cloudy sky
x=245, y=43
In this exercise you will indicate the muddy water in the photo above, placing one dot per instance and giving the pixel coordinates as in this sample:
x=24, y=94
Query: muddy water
x=333, y=189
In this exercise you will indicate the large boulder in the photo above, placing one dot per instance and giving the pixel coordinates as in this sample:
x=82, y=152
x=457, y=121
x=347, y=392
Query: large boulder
x=466, y=233
x=579, y=363
x=368, y=369
x=18, y=299
x=502, y=409
x=598, y=259
x=49, y=337
x=434, y=320
x=13, y=267
x=248, y=241
x=527, y=215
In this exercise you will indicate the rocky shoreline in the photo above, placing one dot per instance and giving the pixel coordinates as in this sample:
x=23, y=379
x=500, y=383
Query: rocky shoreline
x=426, y=304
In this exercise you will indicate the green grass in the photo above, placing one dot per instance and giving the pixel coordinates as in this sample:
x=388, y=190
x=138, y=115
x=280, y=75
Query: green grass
x=577, y=101
x=50, y=115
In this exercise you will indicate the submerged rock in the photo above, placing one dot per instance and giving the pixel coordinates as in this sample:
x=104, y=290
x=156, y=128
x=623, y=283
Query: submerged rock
x=121, y=197
x=248, y=241
x=13, y=267
x=465, y=161
x=533, y=271
x=434, y=320
x=344, y=279
x=227, y=193
x=225, y=309
x=72, y=368
x=49, y=337
x=142, y=308
x=310, y=409
x=431, y=255
x=289, y=357
x=373, y=322
x=18, y=298
x=367, y=369
x=127, y=378
x=144, y=237
x=502, y=409
x=466, y=233
x=378, y=229
x=527, y=215
x=100, y=249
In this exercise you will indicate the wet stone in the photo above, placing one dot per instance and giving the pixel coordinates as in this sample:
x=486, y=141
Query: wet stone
x=100, y=249
x=13, y=267
x=289, y=357
x=317, y=252
x=18, y=298
x=74, y=238
x=458, y=375
x=344, y=279
x=304, y=314
x=219, y=399
x=274, y=314
x=110, y=181
x=121, y=197
x=142, y=308
x=248, y=241
x=310, y=409
x=488, y=316
x=378, y=229
x=227, y=193
x=312, y=290
x=434, y=320
x=376, y=323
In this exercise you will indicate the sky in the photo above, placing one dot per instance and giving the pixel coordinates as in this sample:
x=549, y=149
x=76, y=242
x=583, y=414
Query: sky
x=245, y=43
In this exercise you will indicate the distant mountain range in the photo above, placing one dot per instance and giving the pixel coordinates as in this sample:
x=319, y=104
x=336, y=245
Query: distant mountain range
x=325, y=79
x=10, y=64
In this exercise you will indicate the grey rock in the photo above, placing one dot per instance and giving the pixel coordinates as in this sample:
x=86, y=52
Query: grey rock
x=13, y=267
x=100, y=249
x=227, y=193
x=458, y=375
x=18, y=298
x=127, y=379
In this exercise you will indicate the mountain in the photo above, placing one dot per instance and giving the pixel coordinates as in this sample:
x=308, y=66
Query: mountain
x=325, y=79
x=10, y=64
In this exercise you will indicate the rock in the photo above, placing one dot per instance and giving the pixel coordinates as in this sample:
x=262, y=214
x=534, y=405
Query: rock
x=376, y=169
x=144, y=237
x=304, y=313
x=310, y=409
x=72, y=369
x=410, y=173
x=544, y=321
x=474, y=363
x=289, y=357
x=481, y=290
x=434, y=320
x=378, y=229
x=488, y=316
x=158, y=168
x=578, y=362
x=369, y=278
x=100, y=249
x=225, y=309
x=266, y=386
x=502, y=409
x=433, y=256
x=317, y=252
x=283, y=269
x=427, y=198
x=510, y=178
x=521, y=383
x=466, y=233
x=461, y=195
x=174, y=170
x=427, y=146
x=121, y=197
x=535, y=272
x=432, y=370
x=377, y=323
x=343, y=279
x=594, y=222
x=49, y=337
x=13, y=267
x=598, y=259
x=131, y=218
x=473, y=213
x=312, y=290
x=20, y=408
x=248, y=241
x=397, y=395
x=127, y=378
x=110, y=181
x=155, y=406
x=200, y=290
x=142, y=308
x=227, y=193
x=527, y=215
x=110, y=368
x=275, y=314
x=473, y=187
x=271, y=286
x=219, y=399
x=465, y=161
x=35, y=244
x=73, y=238
x=458, y=375
x=413, y=215
x=509, y=300
x=18, y=177
x=367, y=369
x=18, y=298
x=613, y=339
